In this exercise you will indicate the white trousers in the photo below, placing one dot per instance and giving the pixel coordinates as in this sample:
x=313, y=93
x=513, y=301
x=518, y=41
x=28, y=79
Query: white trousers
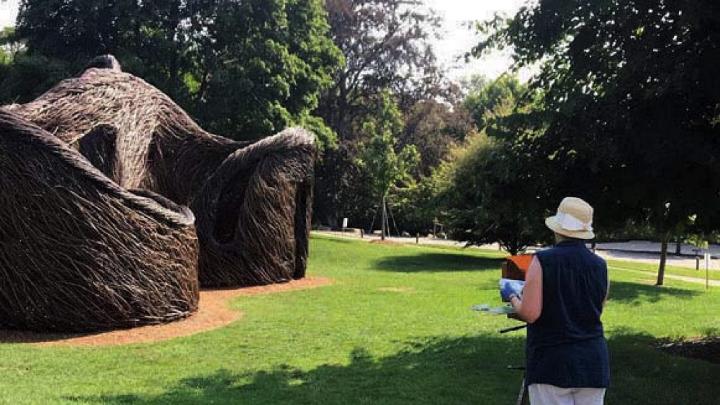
x=544, y=394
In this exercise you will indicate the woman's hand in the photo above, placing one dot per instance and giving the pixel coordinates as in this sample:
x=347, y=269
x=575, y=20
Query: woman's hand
x=529, y=305
x=510, y=288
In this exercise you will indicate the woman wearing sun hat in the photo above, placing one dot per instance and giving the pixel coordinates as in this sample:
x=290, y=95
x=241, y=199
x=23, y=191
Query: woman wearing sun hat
x=562, y=301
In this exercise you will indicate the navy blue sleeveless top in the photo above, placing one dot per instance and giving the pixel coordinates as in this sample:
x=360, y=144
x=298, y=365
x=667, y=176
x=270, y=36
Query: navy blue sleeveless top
x=566, y=346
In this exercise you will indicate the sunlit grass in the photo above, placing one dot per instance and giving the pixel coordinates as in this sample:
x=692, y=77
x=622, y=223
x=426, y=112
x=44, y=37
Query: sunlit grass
x=395, y=327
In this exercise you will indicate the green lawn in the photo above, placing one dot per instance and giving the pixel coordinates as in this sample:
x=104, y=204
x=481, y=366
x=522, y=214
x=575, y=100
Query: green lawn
x=394, y=328
x=680, y=271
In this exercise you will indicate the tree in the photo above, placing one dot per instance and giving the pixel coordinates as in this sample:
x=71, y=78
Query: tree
x=434, y=127
x=343, y=189
x=247, y=68
x=492, y=198
x=385, y=46
x=385, y=166
x=485, y=96
x=420, y=203
x=630, y=105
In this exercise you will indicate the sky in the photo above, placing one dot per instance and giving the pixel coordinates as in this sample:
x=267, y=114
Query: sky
x=456, y=38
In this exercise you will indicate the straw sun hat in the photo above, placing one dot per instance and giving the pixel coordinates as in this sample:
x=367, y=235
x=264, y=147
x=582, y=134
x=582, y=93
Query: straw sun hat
x=573, y=219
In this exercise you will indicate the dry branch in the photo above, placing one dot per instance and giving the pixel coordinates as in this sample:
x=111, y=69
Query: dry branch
x=253, y=201
x=78, y=252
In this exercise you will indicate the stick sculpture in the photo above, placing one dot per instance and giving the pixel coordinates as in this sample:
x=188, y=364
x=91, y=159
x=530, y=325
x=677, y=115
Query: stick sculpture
x=252, y=200
x=77, y=251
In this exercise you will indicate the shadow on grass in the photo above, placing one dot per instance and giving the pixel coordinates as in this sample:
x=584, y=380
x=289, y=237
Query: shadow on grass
x=457, y=370
x=437, y=262
x=627, y=292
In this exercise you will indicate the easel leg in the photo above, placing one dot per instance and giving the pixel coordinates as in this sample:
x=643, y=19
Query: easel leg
x=522, y=394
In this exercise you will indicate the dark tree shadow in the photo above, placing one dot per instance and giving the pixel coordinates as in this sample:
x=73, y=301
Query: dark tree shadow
x=453, y=370
x=627, y=292
x=437, y=262
x=457, y=370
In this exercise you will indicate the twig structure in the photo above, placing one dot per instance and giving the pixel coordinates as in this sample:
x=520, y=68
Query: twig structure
x=252, y=200
x=80, y=253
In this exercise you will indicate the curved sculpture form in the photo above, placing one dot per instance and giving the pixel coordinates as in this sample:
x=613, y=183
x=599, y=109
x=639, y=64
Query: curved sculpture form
x=252, y=200
x=78, y=252
x=254, y=213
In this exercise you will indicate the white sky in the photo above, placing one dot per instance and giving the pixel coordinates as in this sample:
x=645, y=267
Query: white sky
x=456, y=38
x=8, y=12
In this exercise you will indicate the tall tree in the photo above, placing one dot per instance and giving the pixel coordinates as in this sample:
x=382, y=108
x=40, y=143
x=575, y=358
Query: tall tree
x=631, y=100
x=492, y=197
x=243, y=68
x=385, y=166
x=386, y=46
x=434, y=127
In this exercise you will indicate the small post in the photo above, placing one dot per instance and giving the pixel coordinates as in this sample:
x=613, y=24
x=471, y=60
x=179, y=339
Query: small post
x=417, y=238
x=362, y=233
x=707, y=270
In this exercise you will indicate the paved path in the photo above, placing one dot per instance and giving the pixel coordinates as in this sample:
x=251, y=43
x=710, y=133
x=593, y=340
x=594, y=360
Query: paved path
x=643, y=246
x=430, y=241
x=654, y=258
x=634, y=251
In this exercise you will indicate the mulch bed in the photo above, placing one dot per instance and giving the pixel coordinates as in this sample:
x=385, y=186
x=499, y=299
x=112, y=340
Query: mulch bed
x=213, y=313
x=707, y=348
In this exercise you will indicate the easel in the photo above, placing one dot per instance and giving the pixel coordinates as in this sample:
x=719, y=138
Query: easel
x=522, y=397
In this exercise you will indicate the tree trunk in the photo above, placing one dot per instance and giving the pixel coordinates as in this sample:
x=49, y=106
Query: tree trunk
x=384, y=219
x=663, y=258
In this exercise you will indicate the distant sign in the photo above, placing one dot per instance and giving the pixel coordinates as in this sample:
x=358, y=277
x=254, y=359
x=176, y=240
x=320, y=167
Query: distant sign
x=345, y=222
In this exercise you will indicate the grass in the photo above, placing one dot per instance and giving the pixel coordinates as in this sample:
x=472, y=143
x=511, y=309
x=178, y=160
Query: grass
x=394, y=328
x=680, y=271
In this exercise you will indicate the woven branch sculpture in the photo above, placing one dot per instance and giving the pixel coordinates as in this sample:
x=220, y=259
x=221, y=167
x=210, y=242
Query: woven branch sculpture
x=80, y=253
x=252, y=200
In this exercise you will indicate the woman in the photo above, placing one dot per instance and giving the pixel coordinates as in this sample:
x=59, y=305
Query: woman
x=565, y=290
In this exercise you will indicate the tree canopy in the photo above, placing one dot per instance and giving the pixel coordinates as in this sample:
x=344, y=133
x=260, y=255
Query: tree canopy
x=386, y=46
x=486, y=96
x=245, y=69
x=628, y=118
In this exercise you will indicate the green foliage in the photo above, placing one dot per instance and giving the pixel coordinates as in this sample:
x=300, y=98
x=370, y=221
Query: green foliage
x=493, y=198
x=29, y=75
x=342, y=189
x=630, y=97
x=385, y=46
x=7, y=48
x=245, y=69
x=698, y=240
x=385, y=166
x=487, y=99
x=434, y=127
x=418, y=205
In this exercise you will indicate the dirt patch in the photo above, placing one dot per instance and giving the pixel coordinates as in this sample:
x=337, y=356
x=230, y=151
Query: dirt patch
x=397, y=289
x=384, y=242
x=214, y=312
x=707, y=348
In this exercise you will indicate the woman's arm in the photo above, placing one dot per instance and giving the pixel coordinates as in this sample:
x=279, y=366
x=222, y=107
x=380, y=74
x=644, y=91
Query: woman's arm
x=530, y=306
